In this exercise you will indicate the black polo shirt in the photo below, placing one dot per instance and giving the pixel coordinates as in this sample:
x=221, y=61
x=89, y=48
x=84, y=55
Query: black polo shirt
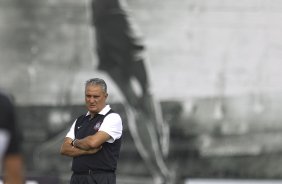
x=9, y=137
x=106, y=158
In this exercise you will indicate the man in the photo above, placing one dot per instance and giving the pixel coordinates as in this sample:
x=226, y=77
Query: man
x=94, y=139
x=121, y=56
x=10, y=143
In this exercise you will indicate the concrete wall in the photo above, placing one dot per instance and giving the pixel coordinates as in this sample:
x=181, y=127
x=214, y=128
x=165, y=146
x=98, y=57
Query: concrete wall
x=198, y=47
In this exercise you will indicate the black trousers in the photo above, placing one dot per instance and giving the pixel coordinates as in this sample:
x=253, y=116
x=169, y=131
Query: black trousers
x=94, y=178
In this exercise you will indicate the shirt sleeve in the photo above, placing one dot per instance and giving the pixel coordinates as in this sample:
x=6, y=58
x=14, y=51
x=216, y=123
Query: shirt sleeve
x=70, y=134
x=112, y=125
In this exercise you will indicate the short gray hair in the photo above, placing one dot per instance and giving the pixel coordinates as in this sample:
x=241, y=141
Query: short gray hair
x=97, y=81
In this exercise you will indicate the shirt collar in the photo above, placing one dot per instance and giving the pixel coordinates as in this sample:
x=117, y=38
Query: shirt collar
x=104, y=111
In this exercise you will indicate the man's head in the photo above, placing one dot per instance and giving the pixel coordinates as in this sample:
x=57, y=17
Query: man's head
x=95, y=95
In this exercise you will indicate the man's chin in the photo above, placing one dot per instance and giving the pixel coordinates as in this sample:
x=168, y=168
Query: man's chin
x=92, y=110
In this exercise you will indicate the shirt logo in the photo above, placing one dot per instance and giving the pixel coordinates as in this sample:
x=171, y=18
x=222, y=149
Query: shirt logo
x=97, y=126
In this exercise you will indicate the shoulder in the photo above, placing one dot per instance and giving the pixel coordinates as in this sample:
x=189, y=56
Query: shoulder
x=5, y=100
x=113, y=116
x=112, y=120
x=6, y=110
x=79, y=119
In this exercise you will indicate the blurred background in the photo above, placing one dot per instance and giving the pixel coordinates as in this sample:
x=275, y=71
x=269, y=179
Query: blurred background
x=214, y=67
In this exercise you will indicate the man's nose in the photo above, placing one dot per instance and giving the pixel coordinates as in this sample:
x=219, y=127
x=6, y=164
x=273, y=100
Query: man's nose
x=91, y=99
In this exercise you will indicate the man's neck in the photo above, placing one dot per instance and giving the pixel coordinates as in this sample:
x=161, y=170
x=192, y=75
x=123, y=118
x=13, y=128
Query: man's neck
x=92, y=115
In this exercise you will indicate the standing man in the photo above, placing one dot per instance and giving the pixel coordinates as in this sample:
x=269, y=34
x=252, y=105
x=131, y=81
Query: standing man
x=10, y=156
x=94, y=139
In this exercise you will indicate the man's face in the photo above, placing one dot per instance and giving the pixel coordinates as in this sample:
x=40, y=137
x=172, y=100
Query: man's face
x=95, y=98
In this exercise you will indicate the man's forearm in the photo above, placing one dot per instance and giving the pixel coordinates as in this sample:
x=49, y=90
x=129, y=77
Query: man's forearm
x=92, y=141
x=73, y=152
x=82, y=144
x=68, y=149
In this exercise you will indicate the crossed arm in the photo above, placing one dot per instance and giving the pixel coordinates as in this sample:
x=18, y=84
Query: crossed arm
x=88, y=145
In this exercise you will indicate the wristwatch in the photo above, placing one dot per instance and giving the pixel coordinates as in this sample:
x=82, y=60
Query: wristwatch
x=73, y=142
